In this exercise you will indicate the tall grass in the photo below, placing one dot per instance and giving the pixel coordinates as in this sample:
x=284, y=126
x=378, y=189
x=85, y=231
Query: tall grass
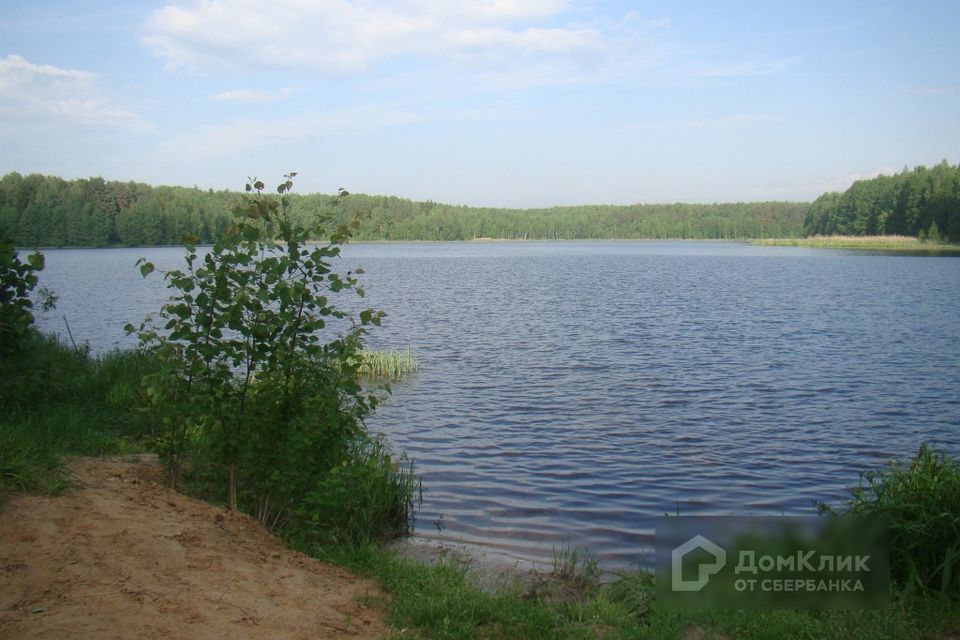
x=441, y=601
x=27, y=463
x=921, y=502
x=369, y=497
x=58, y=400
x=387, y=364
x=882, y=243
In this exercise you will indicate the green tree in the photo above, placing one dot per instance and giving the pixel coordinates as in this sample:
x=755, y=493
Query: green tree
x=17, y=281
x=275, y=405
x=908, y=203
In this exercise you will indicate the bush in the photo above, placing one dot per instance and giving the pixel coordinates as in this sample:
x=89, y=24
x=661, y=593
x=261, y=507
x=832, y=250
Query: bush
x=921, y=502
x=17, y=281
x=250, y=395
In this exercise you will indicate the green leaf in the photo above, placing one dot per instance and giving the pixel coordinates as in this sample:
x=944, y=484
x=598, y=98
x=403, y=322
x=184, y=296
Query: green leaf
x=146, y=269
x=36, y=261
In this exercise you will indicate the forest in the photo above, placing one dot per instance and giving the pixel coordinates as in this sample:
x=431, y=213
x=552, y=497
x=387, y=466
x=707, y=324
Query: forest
x=47, y=211
x=922, y=202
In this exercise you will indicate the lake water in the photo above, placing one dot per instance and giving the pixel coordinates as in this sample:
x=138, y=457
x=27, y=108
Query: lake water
x=570, y=392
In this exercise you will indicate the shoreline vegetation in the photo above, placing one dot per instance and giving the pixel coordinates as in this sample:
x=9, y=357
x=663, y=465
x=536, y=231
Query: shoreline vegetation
x=904, y=245
x=886, y=244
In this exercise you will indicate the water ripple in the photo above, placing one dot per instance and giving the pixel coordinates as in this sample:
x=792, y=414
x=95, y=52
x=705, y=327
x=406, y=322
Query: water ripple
x=568, y=393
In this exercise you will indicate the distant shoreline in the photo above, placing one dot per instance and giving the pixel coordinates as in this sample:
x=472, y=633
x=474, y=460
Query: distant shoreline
x=365, y=241
x=885, y=244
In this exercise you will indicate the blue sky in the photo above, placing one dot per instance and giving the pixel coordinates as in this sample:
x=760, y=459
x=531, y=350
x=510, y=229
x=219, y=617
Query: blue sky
x=497, y=102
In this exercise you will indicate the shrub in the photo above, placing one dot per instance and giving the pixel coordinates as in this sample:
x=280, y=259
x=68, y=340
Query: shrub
x=249, y=391
x=921, y=502
x=17, y=281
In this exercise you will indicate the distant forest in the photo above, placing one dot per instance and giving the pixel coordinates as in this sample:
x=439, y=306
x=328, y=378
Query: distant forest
x=923, y=202
x=46, y=211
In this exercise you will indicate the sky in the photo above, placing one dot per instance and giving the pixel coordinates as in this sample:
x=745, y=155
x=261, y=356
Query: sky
x=507, y=103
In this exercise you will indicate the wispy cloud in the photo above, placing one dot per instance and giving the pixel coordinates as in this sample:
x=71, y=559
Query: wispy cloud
x=244, y=135
x=343, y=37
x=842, y=183
x=45, y=95
x=812, y=189
x=252, y=95
x=505, y=42
x=709, y=122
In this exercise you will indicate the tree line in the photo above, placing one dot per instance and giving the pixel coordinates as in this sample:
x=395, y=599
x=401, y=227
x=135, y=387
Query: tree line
x=47, y=211
x=920, y=202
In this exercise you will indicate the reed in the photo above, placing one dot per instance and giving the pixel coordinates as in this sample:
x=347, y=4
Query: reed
x=908, y=244
x=390, y=364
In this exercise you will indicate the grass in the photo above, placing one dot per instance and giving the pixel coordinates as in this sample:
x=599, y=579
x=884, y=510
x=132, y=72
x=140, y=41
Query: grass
x=58, y=401
x=921, y=503
x=388, y=364
x=28, y=463
x=440, y=601
x=904, y=244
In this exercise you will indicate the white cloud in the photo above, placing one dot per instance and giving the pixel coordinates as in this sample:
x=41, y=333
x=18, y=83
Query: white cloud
x=44, y=95
x=17, y=74
x=340, y=36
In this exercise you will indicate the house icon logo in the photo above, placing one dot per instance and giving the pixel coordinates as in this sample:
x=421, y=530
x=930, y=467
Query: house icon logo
x=704, y=571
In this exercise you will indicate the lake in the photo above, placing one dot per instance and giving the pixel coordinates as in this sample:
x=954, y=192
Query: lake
x=569, y=392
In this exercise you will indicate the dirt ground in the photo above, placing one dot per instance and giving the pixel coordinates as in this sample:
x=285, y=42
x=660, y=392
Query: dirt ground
x=121, y=556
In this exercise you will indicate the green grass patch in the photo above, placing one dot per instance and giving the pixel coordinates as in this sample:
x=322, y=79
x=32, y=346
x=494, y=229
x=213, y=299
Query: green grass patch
x=571, y=602
x=28, y=463
x=58, y=401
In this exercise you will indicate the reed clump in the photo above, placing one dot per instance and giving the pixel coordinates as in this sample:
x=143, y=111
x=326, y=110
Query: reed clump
x=388, y=364
x=882, y=243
